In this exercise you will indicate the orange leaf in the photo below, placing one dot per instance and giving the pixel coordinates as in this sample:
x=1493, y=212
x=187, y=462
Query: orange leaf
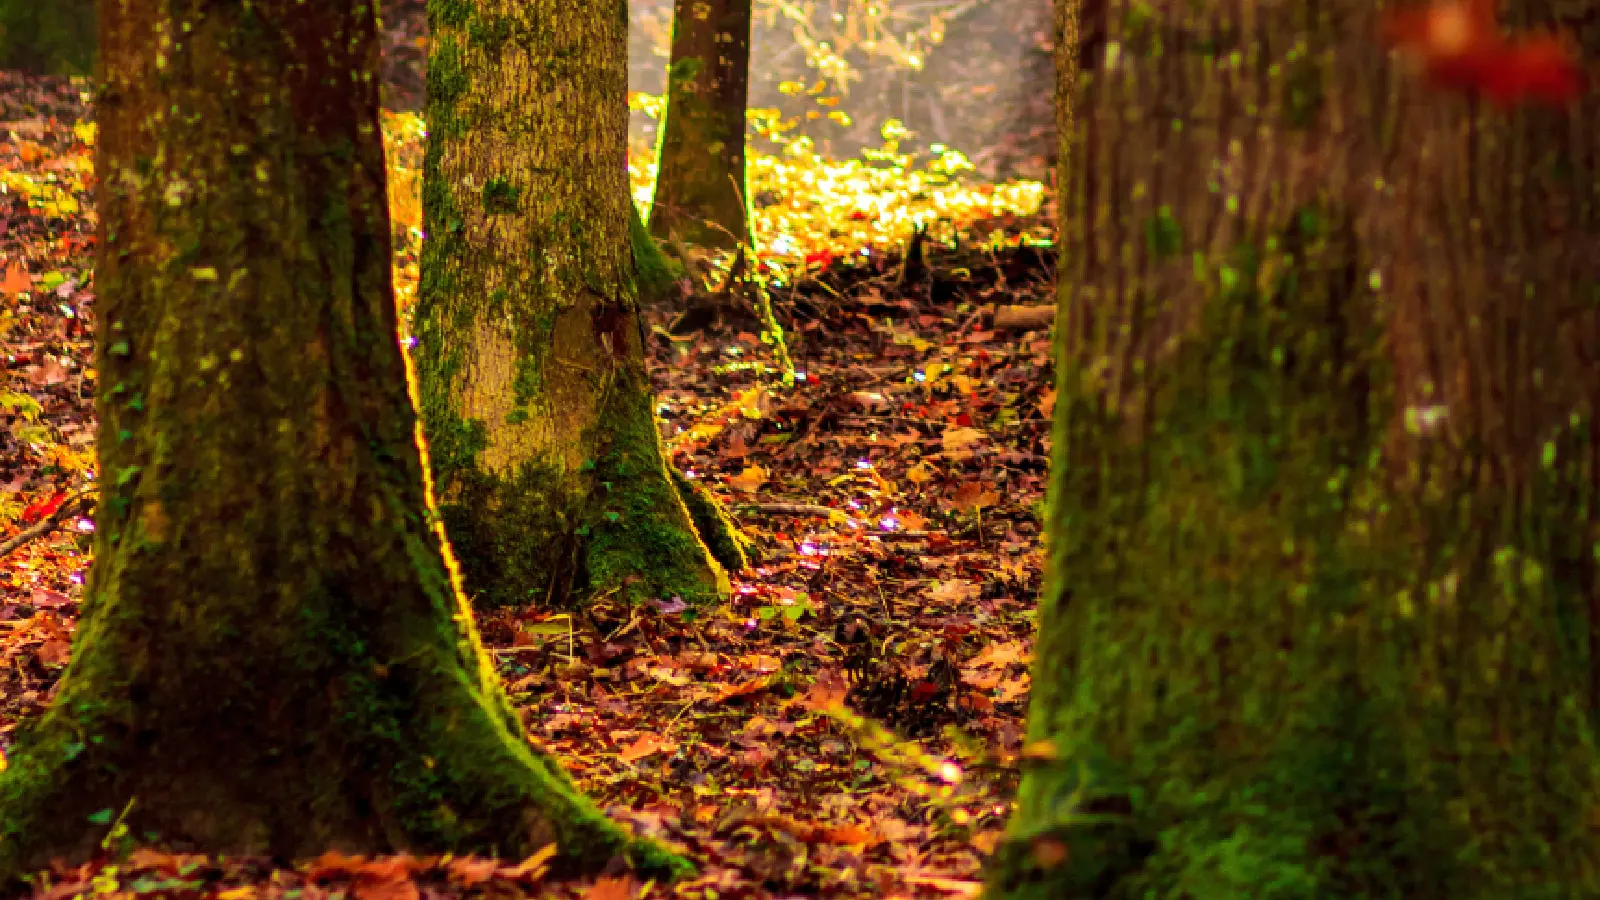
x=471, y=871
x=15, y=280
x=385, y=889
x=739, y=690
x=853, y=835
x=611, y=889
x=647, y=744
x=334, y=864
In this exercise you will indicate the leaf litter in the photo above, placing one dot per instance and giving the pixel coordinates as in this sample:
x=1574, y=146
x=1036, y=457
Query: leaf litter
x=849, y=725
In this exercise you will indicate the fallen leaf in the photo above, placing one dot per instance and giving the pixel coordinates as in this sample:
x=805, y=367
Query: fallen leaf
x=850, y=835
x=647, y=744
x=998, y=655
x=55, y=653
x=15, y=280
x=749, y=480
x=971, y=495
x=611, y=889
x=954, y=590
x=731, y=692
x=470, y=871
x=531, y=869
x=961, y=438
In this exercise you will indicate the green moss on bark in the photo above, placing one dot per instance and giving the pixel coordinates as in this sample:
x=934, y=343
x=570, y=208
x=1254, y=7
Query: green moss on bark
x=530, y=349
x=274, y=656
x=700, y=186
x=727, y=543
x=1319, y=615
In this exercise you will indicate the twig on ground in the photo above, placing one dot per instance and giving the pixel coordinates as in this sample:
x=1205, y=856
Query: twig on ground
x=44, y=526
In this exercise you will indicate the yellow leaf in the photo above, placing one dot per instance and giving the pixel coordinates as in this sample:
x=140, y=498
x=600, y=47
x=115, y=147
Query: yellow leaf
x=751, y=478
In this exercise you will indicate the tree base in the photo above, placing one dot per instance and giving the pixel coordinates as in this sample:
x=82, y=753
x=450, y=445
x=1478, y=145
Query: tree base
x=413, y=756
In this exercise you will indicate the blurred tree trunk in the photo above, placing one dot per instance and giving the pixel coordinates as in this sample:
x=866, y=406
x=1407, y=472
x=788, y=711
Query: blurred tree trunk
x=1321, y=618
x=700, y=165
x=273, y=656
x=54, y=38
x=530, y=356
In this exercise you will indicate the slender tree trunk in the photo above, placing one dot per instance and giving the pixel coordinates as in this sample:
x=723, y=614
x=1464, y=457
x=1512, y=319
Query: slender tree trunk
x=273, y=656
x=700, y=192
x=1322, y=613
x=535, y=399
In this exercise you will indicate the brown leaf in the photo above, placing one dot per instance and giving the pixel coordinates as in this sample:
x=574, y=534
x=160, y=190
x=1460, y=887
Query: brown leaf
x=611, y=889
x=402, y=888
x=954, y=590
x=471, y=871
x=971, y=495
x=334, y=864
x=998, y=656
x=733, y=691
x=648, y=743
x=961, y=438
x=55, y=653
x=830, y=688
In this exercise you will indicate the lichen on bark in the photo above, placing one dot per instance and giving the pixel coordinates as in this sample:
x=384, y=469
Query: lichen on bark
x=534, y=395
x=274, y=656
x=1320, y=610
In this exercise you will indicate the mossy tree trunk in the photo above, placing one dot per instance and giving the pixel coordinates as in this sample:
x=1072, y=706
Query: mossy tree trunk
x=1322, y=617
x=54, y=38
x=530, y=356
x=700, y=190
x=273, y=656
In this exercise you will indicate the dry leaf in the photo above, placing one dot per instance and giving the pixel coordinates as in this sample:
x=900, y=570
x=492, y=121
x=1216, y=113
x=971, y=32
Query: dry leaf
x=954, y=590
x=971, y=495
x=611, y=889
x=998, y=655
x=919, y=474
x=471, y=871
x=531, y=869
x=850, y=835
x=961, y=438
x=15, y=280
x=751, y=478
x=55, y=653
x=739, y=690
x=385, y=889
x=648, y=743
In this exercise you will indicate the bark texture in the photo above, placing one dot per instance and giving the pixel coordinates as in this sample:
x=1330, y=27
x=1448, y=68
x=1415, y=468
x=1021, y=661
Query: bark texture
x=273, y=656
x=700, y=191
x=54, y=38
x=1322, y=618
x=535, y=400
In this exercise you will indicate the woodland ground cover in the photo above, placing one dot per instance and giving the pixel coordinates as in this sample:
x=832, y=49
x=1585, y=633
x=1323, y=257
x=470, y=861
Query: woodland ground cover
x=892, y=492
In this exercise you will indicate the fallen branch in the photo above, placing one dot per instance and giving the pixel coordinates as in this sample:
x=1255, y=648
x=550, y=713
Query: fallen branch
x=68, y=507
x=794, y=509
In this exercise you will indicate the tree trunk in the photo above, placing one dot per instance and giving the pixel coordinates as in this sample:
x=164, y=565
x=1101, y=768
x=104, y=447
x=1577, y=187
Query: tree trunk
x=700, y=192
x=54, y=38
x=1321, y=618
x=273, y=655
x=529, y=350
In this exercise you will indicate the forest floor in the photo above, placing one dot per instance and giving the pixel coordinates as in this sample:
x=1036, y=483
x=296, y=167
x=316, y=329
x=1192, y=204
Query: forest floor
x=848, y=726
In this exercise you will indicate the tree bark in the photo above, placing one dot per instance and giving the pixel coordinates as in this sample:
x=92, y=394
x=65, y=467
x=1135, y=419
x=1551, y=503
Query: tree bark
x=529, y=351
x=700, y=190
x=47, y=38
x=274, y=656
x=1321, y=618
